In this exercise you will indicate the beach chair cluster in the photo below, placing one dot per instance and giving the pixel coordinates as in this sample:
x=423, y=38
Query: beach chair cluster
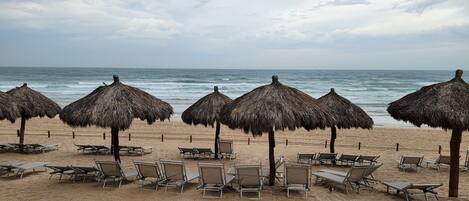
x=417, y=162
x=28, y=148
x=102, y=149
x=336, y=159
x=18, y=169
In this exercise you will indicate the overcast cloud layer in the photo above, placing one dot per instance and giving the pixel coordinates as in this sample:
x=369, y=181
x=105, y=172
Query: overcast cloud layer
x=339, y=34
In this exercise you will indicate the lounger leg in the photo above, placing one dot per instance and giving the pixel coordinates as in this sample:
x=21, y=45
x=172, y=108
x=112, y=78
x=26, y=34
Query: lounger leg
x=221, y=193
x=241, y=194
x=120, y=183
x=182, y=188
x=104, y=183
x=203, y=193
x=288, y=192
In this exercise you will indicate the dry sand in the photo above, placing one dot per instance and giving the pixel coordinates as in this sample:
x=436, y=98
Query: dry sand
x=380, y=141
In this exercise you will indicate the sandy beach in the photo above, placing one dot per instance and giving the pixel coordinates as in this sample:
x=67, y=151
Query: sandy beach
x=381, y=141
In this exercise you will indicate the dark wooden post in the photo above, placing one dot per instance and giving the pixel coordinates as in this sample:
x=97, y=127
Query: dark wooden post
x=455, y=144
x=286, y=142
x=359, y=145
x=48, y=134
x=217, y=137
x=130, y=136
x=272, y=158
x=190, y=139
x=115, y=143
x=22, y=129
x=249, y=140
x=333, y=137
x=325, y=144
x=439, y=149
x=17, y=132
x=73, y=134
x=397, y=146
x=104, y=136
x=162, y=138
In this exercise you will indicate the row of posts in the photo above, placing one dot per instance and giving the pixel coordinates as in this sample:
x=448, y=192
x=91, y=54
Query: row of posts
x=249, y=140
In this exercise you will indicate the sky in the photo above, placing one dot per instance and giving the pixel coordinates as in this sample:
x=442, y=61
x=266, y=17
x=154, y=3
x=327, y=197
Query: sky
x=272, y=34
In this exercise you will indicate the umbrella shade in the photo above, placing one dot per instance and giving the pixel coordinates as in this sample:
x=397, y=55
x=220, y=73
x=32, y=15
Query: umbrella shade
x=444, y=105
x=115, y=106
x=206, y=111
x=8, y=109
x=346, y=114
x=275, y=107
x=31, y=103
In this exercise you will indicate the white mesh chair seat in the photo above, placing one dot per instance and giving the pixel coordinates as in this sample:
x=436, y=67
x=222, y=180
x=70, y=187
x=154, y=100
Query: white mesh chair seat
x=297, y=177
x=175, y=175
x=213, y=177
x=409, y=162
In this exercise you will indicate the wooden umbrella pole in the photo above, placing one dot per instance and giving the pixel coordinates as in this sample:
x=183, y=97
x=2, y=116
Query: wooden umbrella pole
x=115, y=143
x=455, y=144
x=217, y=138
x=22, y=129
x=271, y=158
x=333, y=137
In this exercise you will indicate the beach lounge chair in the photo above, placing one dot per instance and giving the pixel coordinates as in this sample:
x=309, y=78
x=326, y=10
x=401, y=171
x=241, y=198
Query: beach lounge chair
x=60, y=171
x=297, y=177
x=367, y=159
x=213, y=178
x=175, y=174
x=466, y=162
x=305, y=158
x=225, y=148
x=136, y=150
x=249, y=179
x=112, y=171
x=439, y=162
x=148, y=170
x=368, y=177
x=405, y=187
x=8, y=167
x=7, y=147
x=347, y=159
x=84, y=172
x=187, y=152
x=353, y=179
x=206, y=153
x=22, y=168
x=410, y=162
x=326, y=158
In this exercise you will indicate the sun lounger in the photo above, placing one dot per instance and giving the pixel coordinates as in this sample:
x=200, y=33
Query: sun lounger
x=370, y=159
x=22, y=168
x=187, y=152
x=136, y=150
x=353, y=179
x=368, y=177
x=7, y=147
x=34, y=148
x=326, y=158
x=405, y=187
x=60, y=171
x=112, y=171
x=297, y=177
x=148, y=171
x=84, y=172
x=249, y=179
x=93, y=149
x=466, y=162
x=206, y=153
x=347, y=159
x=439, y=162
x=410, y=162
x=305, y=158
x=225, y=148
x=213, y=178
x=9, y=166
x=175, y=174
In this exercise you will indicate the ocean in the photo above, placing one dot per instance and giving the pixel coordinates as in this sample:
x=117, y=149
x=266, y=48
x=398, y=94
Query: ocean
x=372, y=90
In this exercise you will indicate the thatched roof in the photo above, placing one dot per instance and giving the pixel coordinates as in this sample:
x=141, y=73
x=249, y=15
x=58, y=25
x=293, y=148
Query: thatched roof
x=346, y=114
x=275, y=107
x=8, y=110
x=31, y=103
x=443, y=105
x=206, y=110
x=115, y=105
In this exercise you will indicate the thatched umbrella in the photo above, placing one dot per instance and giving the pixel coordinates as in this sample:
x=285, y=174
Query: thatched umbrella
x=275, y=107
x=115, y=106
x=206, y=111
x=31, y=103
x=444, y=105
x=346, y=114
x=8, y=109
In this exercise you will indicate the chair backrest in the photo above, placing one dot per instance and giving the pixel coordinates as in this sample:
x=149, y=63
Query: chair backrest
x=348, y=157
x=371, y=169
x=327, y=156
x=173, y=170
x=225, y=146
x=212, y=173
x=279, y=163
x=147, y=169
x=466, y=164
x=185, y=150
x=297, y=174
x=248, y=175
x=370, y=158
x=356, y=173
x=110, y=168
x=443, y=159
x=411, y=160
